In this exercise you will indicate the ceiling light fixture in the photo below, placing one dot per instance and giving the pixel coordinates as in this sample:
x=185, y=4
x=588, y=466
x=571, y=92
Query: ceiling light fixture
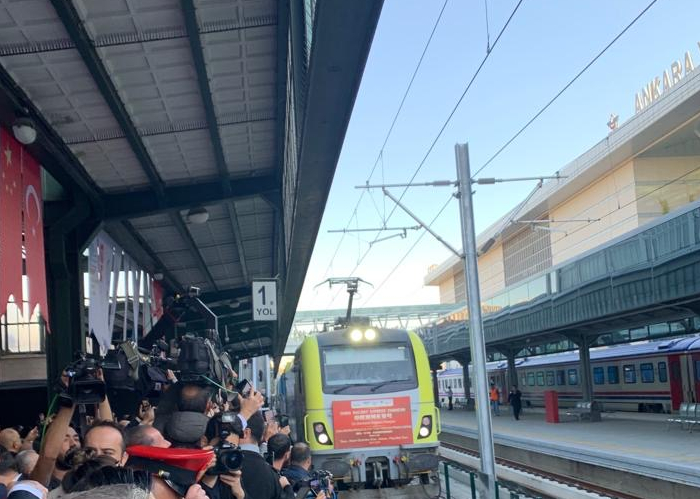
x=198, y=215
x=24, y=130
x=245, y=329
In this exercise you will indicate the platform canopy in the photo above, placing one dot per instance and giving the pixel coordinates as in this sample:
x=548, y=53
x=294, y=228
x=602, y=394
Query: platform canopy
x=147, y=109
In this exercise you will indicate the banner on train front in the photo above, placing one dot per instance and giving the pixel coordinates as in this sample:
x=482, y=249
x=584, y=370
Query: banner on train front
x=372, y=423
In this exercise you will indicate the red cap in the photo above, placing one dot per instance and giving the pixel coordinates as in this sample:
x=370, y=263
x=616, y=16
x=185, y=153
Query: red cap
x=195, y=460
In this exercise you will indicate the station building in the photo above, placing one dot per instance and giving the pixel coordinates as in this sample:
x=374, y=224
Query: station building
x=643, y=169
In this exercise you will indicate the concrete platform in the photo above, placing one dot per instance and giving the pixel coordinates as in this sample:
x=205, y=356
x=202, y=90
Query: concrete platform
x=629, y=441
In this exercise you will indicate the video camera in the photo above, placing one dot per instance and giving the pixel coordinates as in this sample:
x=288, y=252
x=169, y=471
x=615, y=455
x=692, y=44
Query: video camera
x=84, y=387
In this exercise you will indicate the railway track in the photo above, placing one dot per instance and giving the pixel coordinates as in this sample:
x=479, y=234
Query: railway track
x=544, y=475
x=551, y=478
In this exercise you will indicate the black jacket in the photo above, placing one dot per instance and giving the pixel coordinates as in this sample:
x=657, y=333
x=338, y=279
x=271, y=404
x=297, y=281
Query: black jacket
x=259, y=479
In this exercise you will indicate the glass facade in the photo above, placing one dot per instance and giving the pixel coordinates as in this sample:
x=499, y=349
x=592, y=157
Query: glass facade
x=21, y=330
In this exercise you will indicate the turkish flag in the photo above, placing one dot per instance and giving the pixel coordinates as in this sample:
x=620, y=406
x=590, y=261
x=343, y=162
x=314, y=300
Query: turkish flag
x=10, y=220
x=34, y=236
x=157, y=298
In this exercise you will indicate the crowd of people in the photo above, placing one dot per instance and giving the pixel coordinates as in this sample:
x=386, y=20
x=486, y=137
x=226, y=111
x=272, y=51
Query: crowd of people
x=199, y=442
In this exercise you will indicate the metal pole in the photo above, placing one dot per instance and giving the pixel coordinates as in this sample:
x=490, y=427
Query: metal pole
x=422, y=224
x=487, y=479
x=268, y=380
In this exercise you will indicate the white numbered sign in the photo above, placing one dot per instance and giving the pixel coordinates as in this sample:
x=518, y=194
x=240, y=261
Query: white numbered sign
x=264, y=300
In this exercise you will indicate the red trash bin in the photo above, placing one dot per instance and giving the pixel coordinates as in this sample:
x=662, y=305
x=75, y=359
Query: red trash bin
x=551, y=406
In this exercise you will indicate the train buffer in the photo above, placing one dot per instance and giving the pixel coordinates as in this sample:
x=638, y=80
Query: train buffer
x=585, y=410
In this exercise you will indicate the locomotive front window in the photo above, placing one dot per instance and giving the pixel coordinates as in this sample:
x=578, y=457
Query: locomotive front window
x=368, y=369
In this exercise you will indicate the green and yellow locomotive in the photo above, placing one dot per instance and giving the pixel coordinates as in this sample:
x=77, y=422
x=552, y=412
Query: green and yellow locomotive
x=363, y=400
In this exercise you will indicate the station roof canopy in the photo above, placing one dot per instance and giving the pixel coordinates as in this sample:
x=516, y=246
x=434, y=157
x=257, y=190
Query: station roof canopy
x=146, y=109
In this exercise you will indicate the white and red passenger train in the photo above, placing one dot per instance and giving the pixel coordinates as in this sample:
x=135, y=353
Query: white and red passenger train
x=655, y=376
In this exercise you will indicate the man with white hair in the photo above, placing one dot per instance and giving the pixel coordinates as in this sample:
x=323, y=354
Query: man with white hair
x=26, y=460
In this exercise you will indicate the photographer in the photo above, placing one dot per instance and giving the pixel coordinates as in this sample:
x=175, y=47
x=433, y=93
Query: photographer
x=279, y=448
x=259, y=478
x=60, y=437
x=299, y=464
x=301, y=478
x=58, y=440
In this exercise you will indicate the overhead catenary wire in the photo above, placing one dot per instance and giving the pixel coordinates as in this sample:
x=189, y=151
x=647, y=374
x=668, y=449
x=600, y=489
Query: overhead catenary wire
x=410, y=250
x=380, y=156
x=441, y=131
x=564, y=89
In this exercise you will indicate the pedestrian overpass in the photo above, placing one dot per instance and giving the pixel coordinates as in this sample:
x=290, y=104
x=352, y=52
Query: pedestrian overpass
x=402, y=317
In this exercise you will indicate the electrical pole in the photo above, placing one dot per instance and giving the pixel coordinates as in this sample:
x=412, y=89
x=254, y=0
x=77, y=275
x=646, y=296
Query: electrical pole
x=487, y=479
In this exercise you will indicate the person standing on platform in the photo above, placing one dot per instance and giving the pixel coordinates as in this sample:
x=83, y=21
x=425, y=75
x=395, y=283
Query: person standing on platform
x=493, y=397
x=514, y=399
x=449, y=398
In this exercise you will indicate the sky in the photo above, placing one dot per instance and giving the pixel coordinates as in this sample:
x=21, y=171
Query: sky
x=545, y=45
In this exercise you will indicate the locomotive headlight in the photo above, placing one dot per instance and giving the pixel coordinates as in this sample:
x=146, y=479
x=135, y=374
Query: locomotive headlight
x=356, y=335
x=370, y=334
x=321, y=434
x=426, y=427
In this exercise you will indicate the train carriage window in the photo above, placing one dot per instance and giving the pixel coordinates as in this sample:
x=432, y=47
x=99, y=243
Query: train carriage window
x=630, y=373
x=573, y=376
x=598, y=375
x=459, y=383
x=561, y=378
x=663, y=373
x=531, y=379
x=540, y=378
x=550, y=378
x=523, y=380
x=613, y=375
x=646, y=372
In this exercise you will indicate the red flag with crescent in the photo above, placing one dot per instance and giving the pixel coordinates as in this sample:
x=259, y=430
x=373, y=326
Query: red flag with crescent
x=157, y=298
x=10, y=220
x=34, y=236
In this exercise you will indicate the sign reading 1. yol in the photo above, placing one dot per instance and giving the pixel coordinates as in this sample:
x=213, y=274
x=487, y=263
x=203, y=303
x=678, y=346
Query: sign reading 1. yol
x=264, y=300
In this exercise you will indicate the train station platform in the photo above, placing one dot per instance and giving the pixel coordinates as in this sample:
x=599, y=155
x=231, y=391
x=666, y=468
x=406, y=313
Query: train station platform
x=633, y=442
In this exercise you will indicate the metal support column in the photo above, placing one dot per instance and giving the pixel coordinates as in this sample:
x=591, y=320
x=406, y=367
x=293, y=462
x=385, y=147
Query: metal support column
x=268, y=387
x=66, y=240
x=436, y=389
x=487, y=478
x=584, y=345
x=512, y=372
x=466, y=381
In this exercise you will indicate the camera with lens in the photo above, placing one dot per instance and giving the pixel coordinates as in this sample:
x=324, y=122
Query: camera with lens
x=319, y=480
x=83, y=387
x=228, y=456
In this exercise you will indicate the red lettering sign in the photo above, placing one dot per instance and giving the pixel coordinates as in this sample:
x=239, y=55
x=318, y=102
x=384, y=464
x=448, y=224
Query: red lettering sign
x=372, y=423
